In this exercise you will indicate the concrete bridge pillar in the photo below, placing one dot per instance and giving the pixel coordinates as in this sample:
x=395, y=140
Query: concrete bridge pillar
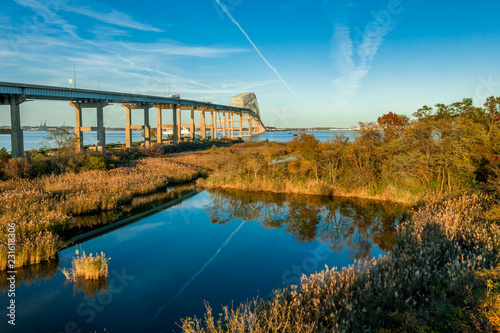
x=179, y=124
x=224, y=128
x=191, y=125
x=16, y=135
x=176, y=131
x=159, y=127
x=241, y=126
x=101, y=131
x=79, y=129
x=147, y=127
x=214, y=125
x=129, y=127
x=231, y=126
x=203, y=129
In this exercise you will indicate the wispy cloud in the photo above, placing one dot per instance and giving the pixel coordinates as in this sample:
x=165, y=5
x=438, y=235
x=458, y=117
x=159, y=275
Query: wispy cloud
x=354, y=60
x=223, y=7
x=182, y=50
x=109, y=54
x=114, y=17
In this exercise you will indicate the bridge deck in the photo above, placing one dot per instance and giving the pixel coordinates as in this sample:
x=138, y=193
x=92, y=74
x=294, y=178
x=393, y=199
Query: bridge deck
x=32, y=91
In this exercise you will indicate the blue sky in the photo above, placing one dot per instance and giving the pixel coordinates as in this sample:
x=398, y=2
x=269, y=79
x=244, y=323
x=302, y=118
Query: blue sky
x=310, y=62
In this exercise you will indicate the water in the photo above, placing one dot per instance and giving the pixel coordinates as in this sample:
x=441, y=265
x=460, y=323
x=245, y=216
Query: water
x=284, y=136
x=35, y=139
x=215, y=246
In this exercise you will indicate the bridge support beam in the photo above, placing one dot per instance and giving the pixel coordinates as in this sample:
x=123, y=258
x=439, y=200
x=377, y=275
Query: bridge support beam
x=79, y=129
x=241, y=126
x=129, y=127
x=175, y=122
x=176, y=114
x=224, y=127
x=191, y=125
x=203, y=129
x=159, y=127
x=16, y=135
x=214, y=125
x=179, y=123
x=231, y=125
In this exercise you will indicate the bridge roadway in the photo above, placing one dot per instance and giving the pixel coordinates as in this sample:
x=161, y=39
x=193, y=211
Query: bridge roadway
x=246, y=110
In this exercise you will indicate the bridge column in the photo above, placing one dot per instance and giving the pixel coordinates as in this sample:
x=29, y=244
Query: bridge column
x=241, y=126
x=191, y=126
x=176, y=124
x=147, y=128
x=159, y=127
x=79, y=129
x=214, y=125
x=231, y=126
x=101, y=131
x=224, y=133
x=179, y=123
x=203, y=129
x=16, y=135
x=129, y=127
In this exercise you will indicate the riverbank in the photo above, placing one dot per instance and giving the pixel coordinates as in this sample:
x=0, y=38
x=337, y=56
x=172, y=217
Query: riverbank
x=41, y=197
x=441, y=275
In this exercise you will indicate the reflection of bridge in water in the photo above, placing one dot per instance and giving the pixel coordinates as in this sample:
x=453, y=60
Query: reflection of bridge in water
x=222, y=119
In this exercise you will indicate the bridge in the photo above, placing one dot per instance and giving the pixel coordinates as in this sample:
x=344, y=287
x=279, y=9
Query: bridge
x=243, y=109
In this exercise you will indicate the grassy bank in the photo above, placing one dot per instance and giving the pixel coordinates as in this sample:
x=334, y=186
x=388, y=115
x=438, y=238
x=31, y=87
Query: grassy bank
x=40, y=208
x=440, y=277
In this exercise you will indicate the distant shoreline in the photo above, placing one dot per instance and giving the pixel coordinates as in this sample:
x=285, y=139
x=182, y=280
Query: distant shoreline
x=310, y=129
x=6, y=130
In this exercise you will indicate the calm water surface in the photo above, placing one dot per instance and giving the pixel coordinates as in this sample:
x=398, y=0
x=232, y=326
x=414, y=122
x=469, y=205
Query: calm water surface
x=34, y=139
x=215, y=246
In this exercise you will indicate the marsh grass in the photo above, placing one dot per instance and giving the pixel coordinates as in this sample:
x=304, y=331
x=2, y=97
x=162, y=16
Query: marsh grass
x=88, y=267
x=41, y=208
x=422, y=285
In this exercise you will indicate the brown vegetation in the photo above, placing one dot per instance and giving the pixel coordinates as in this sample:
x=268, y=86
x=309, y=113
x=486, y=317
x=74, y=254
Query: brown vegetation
x=41, y=207
x=88, y=267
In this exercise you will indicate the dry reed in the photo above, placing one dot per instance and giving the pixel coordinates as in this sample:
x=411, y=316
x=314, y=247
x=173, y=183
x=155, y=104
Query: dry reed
x=88, y=267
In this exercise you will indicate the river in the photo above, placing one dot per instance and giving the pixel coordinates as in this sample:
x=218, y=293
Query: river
x=214, y=246
x=35, y=139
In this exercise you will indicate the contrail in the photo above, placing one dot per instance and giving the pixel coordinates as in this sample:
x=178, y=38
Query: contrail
x=203, y=268
x=254, y=46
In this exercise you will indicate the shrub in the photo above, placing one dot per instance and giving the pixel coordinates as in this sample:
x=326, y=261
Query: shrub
x=16, y=168
x=95, y=163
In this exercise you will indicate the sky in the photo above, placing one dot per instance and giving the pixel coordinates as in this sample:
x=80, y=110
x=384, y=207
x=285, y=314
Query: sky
x=309, y=62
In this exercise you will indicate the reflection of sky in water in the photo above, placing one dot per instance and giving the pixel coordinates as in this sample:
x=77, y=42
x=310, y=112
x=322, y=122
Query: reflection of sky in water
x=178, y=251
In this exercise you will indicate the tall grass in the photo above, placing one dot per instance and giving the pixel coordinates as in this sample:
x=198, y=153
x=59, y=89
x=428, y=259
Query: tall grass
x=426, y=283
x=88, y=267
x=42, y=207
